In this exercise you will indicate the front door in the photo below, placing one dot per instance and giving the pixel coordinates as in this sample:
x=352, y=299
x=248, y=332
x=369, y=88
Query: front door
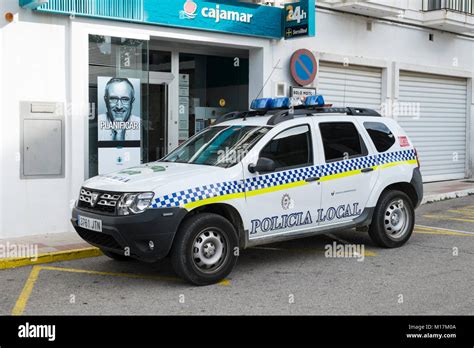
x=284, y=200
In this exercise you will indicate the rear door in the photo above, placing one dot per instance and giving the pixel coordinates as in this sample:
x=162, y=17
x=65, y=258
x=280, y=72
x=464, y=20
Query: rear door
x=348, y=171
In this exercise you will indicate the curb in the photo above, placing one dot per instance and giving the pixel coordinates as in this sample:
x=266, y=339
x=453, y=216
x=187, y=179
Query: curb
x=67, y=255
x=447, y=195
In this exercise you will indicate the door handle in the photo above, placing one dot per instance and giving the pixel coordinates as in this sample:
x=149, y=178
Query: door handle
x=367, y=170
x=313, y=179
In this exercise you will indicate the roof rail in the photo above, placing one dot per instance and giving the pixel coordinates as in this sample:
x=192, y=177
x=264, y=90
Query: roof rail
x=350, y=111
x=237, y=115
x=362, y=112
x=279, y=116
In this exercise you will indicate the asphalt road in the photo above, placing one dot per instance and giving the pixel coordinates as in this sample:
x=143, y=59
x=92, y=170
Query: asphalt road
x=431, y=274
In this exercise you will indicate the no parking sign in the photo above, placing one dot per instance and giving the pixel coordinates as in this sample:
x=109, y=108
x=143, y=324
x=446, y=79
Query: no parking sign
x=303, y=67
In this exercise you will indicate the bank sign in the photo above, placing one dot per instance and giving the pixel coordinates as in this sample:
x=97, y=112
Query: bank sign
x=300, y=19
x=223, y=16
x=228, y=16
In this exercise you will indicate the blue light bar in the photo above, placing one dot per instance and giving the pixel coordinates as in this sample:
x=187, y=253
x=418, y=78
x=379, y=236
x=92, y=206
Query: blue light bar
x=261, y=104
x=281, y=103
x=315, y=100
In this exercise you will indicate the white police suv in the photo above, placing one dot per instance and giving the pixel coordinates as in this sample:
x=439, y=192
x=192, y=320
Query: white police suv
x=274, y=173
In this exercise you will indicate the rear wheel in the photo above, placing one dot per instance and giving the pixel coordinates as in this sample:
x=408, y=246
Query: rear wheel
x=203, y=251
x=115, y=256
x=393, y=221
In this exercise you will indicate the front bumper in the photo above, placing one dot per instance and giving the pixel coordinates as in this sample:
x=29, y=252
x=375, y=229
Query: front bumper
x=134, y=232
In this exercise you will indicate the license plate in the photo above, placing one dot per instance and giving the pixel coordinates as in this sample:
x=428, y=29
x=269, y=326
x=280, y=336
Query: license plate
x=90, y=224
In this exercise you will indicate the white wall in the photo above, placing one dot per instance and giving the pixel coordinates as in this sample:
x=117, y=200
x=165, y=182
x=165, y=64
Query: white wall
x=34, y=69
x=2, y=23
x=346, y=35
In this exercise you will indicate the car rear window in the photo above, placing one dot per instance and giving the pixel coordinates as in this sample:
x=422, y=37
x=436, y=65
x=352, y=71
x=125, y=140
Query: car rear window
x=381, y=135
x=341, y=141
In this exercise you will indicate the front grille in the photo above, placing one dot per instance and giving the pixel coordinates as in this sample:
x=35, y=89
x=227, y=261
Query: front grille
x=99, y=201
x=100, y=239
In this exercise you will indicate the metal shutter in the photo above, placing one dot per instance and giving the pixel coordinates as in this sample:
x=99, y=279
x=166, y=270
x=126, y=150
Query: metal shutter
x=439, y=133
x=350, y=86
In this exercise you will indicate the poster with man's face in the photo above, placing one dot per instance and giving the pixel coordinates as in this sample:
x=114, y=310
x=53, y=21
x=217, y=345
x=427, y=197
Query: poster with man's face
x=119, y=109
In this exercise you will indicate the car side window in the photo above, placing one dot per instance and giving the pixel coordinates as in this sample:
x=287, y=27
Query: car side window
x=292, y=148
x=341, y=141
x=381, y=135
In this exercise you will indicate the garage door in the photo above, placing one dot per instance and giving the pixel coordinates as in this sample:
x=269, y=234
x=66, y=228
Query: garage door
x=439, y=133
x=350, y=86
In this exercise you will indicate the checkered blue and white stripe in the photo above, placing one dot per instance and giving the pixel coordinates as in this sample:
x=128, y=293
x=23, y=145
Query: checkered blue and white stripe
x=398, y=156
x=280, y=178
x=177, y=199
x=348, y=165
x=181, y=198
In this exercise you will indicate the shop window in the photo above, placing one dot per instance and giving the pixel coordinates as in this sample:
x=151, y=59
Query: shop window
x=210, y=86
x=118, y=96
x=160, y=61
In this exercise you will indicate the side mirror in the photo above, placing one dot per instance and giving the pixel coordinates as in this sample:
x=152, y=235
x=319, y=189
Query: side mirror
x=264, y=165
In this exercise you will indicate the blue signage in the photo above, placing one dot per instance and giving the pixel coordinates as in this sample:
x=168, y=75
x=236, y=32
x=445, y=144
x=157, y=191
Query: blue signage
x=303, y=67
x=300, y=19
x=224, y=16
x=228, y=16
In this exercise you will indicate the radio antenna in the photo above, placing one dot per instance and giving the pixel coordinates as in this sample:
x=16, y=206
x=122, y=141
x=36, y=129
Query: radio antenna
x=274, y=68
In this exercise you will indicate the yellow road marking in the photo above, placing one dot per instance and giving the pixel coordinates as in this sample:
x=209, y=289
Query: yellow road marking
x=112, y=274
x=50, y=257
x=26, y=292
x=22, y=300
x=462, y=211
x=444, y=217
x=441, y=231
x=446, y=233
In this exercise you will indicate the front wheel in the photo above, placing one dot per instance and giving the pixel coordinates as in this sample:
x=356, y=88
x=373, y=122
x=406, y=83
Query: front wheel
x=393, y=221
x=203, y=252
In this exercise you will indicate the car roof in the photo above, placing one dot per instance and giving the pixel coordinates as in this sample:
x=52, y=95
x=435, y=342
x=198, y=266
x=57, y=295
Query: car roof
x=272, y=117
x=261, y=121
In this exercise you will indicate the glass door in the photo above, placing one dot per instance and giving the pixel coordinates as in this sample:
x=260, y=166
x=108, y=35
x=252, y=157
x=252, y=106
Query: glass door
x=156, y=127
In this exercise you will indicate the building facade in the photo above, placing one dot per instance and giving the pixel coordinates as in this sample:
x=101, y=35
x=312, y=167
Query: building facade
x=60, y=68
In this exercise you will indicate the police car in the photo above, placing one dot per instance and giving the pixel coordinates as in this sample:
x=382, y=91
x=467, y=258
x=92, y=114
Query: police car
x=274, y=173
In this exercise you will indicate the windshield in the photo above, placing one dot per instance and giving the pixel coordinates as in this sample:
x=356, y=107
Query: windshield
x=221, y=146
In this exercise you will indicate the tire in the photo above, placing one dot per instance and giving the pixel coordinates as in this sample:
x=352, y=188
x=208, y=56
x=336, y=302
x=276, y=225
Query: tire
x=203, y=250
x=393, y=220
x=115, y=256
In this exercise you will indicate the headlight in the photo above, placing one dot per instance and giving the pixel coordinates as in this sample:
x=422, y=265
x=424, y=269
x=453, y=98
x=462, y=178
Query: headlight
x=134, y=202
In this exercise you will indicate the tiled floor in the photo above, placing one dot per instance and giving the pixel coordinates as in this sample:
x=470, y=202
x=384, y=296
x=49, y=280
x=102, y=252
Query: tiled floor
x=49, y=243
x=448, y=186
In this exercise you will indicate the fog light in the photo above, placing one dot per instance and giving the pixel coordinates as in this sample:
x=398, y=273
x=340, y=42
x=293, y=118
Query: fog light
x=151, y=245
